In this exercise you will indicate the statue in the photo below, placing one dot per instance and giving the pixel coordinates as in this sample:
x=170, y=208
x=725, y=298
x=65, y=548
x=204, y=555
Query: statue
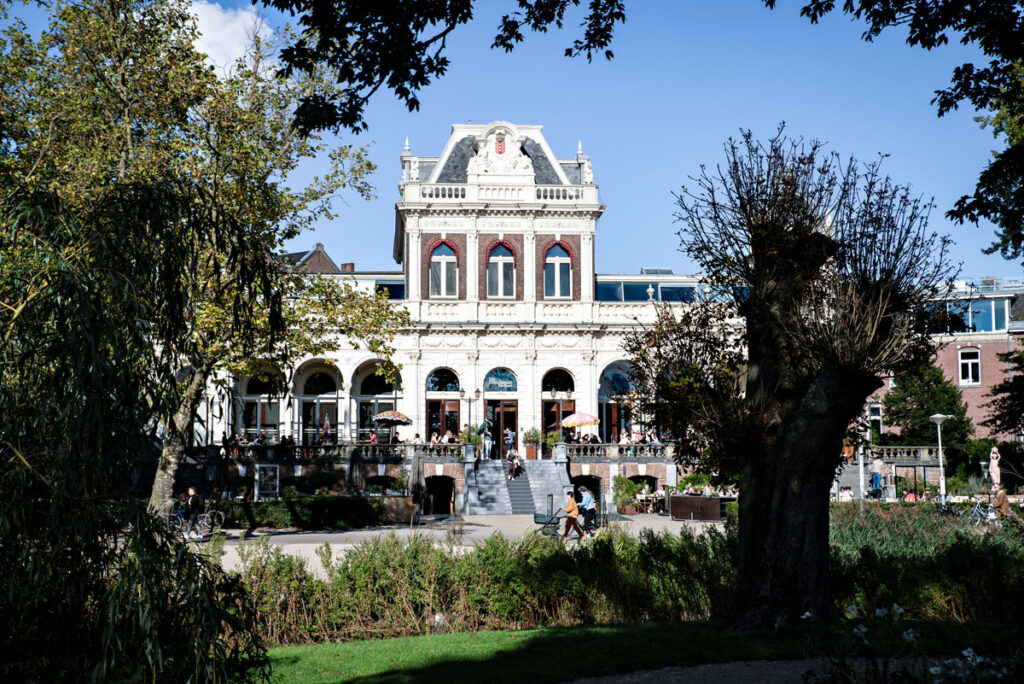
x=993, y=466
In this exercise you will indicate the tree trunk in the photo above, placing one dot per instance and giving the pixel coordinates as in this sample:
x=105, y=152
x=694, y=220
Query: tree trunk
x=784, y=506
x=161, y=499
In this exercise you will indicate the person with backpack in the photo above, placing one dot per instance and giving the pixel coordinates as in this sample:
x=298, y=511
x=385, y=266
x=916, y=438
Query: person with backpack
x=589, y=507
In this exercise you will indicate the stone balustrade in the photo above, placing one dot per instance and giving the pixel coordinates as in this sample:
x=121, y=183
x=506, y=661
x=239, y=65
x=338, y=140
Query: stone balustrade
x=457, y=193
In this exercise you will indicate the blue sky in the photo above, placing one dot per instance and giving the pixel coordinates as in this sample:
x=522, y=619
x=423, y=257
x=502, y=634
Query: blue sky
x=686, y=76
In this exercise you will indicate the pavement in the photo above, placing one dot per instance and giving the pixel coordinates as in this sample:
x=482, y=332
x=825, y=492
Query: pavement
x=475, y=528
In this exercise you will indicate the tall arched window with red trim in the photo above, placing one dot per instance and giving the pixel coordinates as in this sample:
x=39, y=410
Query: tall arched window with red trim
x=557, y=273
x=501, y=272
x=444, y=272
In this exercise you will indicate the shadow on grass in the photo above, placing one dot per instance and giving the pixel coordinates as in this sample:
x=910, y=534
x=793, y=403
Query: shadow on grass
x=557, y=655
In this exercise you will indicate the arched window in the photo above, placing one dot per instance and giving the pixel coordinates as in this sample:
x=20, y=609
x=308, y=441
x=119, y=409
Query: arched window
x=557, y=380
x=501, y=272
x=261, y=407
x=319, y=383
x=442, y=380
x=444, y=273
x=557, y=273
x=500, y=380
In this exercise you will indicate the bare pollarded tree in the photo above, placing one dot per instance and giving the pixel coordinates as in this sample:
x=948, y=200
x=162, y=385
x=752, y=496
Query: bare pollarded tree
x=822, y=272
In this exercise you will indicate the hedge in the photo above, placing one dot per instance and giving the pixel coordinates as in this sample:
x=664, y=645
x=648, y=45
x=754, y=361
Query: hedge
x=306, y=512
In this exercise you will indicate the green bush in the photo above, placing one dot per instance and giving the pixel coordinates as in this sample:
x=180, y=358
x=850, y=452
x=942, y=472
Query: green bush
x=306, y=512
x=389, y=587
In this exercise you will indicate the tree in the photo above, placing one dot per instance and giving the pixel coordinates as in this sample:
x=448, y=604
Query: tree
x=920, y=393
x=821, y=276
x=141, y=200
x=1007, y=405
x=997, y=28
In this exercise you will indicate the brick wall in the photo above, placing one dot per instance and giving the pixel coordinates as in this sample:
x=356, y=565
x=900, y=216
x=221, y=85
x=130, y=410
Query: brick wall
x=993, y=371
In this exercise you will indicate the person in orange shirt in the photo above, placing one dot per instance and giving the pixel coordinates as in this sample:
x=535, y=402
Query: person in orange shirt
x=572, y=512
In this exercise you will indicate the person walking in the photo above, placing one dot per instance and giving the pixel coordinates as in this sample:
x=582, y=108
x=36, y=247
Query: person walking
x=876, y=474
x=572, y=512
x=193, y=507
x=589, y=507
x=513, y=461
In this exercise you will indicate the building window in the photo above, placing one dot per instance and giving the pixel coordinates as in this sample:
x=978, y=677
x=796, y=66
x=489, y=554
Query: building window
x=442, y=380
x=874, y=423
x=501, y=273
x=444, y=274
x=970, y=367
x=557, y=273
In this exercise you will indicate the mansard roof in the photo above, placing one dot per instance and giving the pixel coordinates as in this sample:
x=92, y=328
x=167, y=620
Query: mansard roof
x=463, y=144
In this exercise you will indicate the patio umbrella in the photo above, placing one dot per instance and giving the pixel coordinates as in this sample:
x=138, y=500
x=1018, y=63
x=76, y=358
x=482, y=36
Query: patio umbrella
x=392, y=418
x=580, y=419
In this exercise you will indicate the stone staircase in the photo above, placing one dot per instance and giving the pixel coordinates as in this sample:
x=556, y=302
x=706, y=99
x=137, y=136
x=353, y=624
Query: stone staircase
x=486, y=490
x=520, y=495
x=546, y=477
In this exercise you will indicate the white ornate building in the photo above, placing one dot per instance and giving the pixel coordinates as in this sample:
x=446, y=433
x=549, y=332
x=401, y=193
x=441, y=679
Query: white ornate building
x=495, y=237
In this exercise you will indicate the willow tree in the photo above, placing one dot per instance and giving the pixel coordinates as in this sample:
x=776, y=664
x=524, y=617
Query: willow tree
x=820, y=275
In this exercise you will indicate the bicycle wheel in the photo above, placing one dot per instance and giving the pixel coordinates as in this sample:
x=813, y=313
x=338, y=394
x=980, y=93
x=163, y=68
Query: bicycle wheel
x=217, y=517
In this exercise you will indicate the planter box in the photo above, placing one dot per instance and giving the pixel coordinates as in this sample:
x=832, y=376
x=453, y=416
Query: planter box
x=531, y=452
x=627, y=509
x=398, y=509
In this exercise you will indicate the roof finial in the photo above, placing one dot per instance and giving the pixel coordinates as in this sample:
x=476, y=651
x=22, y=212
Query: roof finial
x=579, y=146
x=406, y=149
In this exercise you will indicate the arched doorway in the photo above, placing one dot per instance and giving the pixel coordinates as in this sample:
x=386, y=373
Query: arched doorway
x=442, y=391
x=593, y=485
x=440, y=495
x=613, y=400
x=373, y=394
x=319, y=387
x=556, y=402
x=500, y=387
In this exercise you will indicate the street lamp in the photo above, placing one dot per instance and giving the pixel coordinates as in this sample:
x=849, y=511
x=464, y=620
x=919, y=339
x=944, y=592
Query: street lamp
x=469, y=400
x=939, y=419
x=567, y=394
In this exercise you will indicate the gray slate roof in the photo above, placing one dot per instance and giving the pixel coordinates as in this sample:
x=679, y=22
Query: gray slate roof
x=454, y=170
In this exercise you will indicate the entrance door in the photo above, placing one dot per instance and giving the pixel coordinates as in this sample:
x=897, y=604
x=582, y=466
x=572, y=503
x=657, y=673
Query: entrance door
x=613, y=422
x=368, y=408
x=313, y=414
x=442, y=415
x=503, y=415
x=549, y=415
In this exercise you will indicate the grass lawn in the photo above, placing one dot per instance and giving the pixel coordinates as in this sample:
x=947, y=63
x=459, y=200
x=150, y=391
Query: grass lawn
x=554, y=655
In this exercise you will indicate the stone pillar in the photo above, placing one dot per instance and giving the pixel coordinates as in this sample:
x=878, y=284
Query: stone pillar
x=414, y=260
x=587, y=267
x=473, y=264
x=529, y=262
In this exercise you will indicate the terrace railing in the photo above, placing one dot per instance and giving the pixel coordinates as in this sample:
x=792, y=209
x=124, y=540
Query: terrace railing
x=341, y=453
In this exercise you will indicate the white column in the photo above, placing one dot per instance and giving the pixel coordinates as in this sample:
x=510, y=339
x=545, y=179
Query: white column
x=414, y=261
x=472, y=264
x=587, y=267
x=529, y=265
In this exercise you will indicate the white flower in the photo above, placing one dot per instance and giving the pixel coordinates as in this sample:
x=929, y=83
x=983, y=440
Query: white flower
x=881, y=612
x=896, y=610
x=851, y=610
x=969, y=653
x=935, y=670
x=910, y=635
x=860, y=630
x=805, y=615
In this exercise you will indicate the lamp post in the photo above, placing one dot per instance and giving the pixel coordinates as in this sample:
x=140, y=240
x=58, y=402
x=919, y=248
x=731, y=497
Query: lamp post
x=939, y=419
x=469, y=400
x=567, y=394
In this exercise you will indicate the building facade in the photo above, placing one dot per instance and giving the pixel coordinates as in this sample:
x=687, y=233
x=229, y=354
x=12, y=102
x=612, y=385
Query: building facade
x=495, y=240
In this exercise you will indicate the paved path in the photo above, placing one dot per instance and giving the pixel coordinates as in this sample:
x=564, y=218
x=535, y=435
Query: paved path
x=475, y=528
